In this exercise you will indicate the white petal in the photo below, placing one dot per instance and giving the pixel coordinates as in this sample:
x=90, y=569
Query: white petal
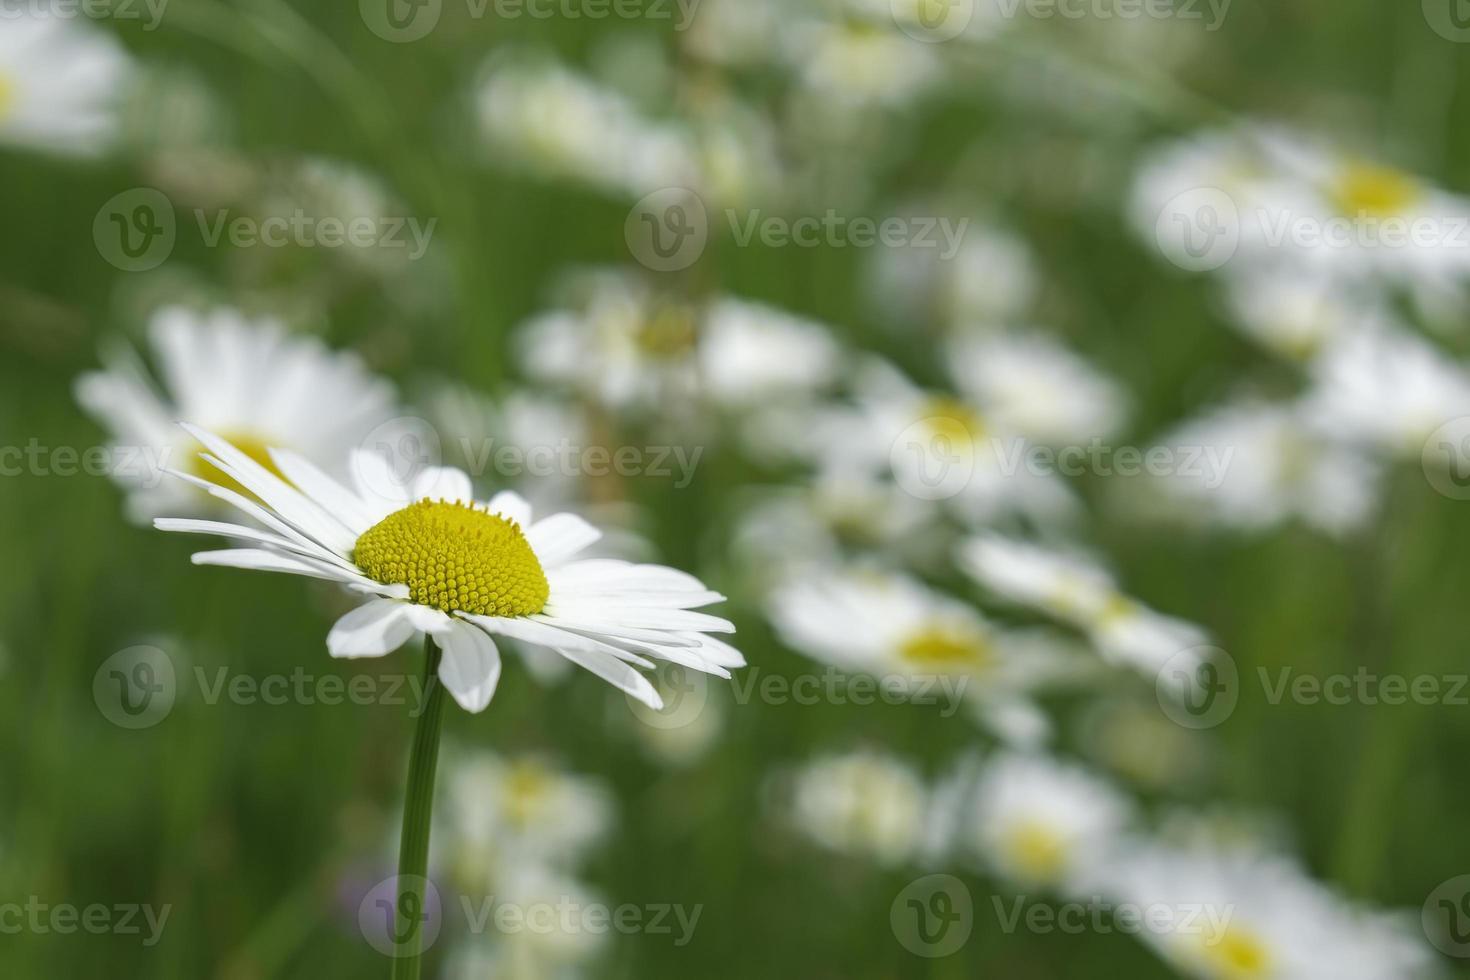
x=260, y=559
x=443, y=483
x=371, y=630
x=377, y=485
x=618, y=674
x=331, y=495
x=470, y=669
x=512, y=506
x=559, y=537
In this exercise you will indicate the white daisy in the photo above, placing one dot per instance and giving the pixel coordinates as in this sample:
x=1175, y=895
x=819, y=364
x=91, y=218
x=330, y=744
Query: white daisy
x=861, y=803
x=1030, y=384
x=60, y=81
x=1263, y=918
x=750, y=353
x=500, y=813
x=1267, y=464
x=1387, y=388
x=1296, y=312
x=433, y=560
x=896, y=629
x=1076, y=590
x=1043, y=822
x=247, y=379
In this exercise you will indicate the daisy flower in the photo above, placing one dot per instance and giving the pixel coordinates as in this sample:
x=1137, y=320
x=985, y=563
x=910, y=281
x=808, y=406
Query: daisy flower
x=59, y=84
x=247, y=379
x=431, y=559
x=1295, y=313
x=1076, y=590
x=896, y=629
x=1043, y=822
x=1263, y=917
x=861, y=803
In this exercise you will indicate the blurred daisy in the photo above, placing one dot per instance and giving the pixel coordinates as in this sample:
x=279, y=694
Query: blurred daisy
x=1029, y=384
x=1042, y=822
x=927, y=645
x=247, y=379
x=1263, y=918
x=1294, y=312
x=991, y=280
x=539, y=924
x=857, y=61
x=1387, y=388
x=501, y=814
x=750, y=354
x=60, y=81
x=862, y=803
x=1076, y=590
x=1263, y=464
x=433, y=560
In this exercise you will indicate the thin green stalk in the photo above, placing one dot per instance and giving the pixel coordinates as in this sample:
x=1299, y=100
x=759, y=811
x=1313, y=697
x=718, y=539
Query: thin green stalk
x=418, y=807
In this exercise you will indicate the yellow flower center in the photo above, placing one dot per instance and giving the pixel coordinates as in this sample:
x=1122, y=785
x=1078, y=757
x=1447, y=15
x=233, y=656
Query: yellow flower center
x=1366, y=190
x=1239, y=955
x=947, y=646
x=455, y=558
x=668, y=333
x=525, y=791
x=1037, y=850
x=954, y=420
x=256, y=448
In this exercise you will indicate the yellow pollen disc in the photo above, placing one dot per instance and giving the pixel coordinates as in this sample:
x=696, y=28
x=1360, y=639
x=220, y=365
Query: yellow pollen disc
x=1038, y=851
x=1238, y=955
x=253, y=446
x=525, y=791
x=954, y=420
x=455, y=558
x=946, y=646
x=669, y=332
x=1365, y=190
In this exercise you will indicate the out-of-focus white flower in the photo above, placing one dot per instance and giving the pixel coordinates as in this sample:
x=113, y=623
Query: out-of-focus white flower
x=1386, y=388
x=1296, y=312
x=539, y=924
x=854, y=62
x=499, y=814
x=628, y=346
x=1238, y=913
x=1043, y=822
x=925, y=645
x=1076, y=590
x=1030, y=384
x=737, y=32
x=861, y=803
x=1259, y=464
x=992, y=279
x=60, y=83
x=555, y=122
x=247, y=378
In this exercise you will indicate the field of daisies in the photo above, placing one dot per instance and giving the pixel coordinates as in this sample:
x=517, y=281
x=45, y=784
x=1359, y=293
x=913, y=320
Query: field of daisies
x=552, y=489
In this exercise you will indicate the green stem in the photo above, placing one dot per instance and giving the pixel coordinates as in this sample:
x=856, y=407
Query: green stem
x=418, y=807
